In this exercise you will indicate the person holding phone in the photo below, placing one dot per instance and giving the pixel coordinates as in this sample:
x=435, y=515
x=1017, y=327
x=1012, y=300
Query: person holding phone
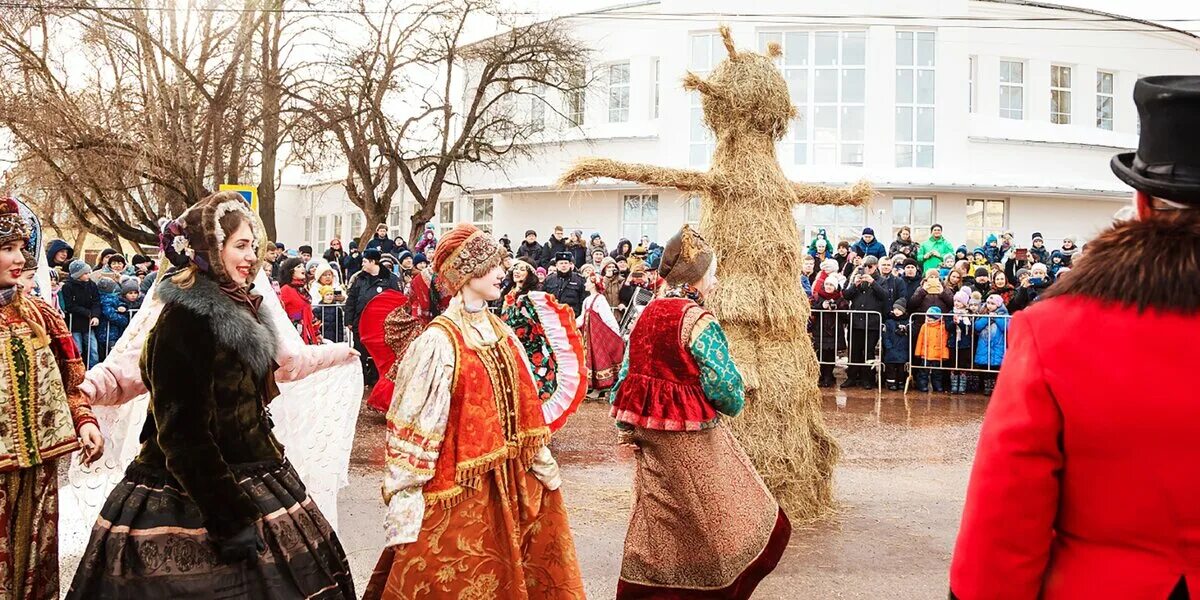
x=1031, y=288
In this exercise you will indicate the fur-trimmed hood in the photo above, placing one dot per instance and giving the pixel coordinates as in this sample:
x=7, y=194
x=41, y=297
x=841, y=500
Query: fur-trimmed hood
x=233, y=326
x=1165, y=256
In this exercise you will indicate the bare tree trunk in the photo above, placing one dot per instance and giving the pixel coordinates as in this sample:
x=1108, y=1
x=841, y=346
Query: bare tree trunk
x=271, y=94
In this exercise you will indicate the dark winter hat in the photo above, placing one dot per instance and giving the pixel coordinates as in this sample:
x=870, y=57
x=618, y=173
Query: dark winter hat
x=305, y=249
x=687, y=257
x=78, y=269
x=868, y=231
x=130, y=284
x=372, y=254
x=1166, y=163
x=529, y=232
x=140, y=259
x=1022, y=272
x=419, y=258
x=281, y=246
x=353, y=245
x=595, y=235
x=196, y=237
x=107, y=285
x=561, y=256
x=981, y=272
x=1037, y=235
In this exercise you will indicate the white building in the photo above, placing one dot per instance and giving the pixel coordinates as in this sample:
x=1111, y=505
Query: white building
x=980, y=115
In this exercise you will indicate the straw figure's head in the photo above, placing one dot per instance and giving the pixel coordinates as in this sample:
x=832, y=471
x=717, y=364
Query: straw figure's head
x=745, y=92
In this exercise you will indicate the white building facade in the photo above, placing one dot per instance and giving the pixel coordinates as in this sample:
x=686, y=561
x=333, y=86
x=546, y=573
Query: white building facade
x=983, y=116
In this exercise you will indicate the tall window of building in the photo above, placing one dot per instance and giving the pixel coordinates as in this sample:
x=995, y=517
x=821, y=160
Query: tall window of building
x=915, y=213
x=337, y=229
x=655, y=89
x=356, y=226
x=576, y=101
x=841, y=223
x=972, y=69
x=1060, y=95
x=639, y=216
x=481, y=213
x=322, y=234
x=618, y=93
x=445, y=217
x=706, y=52
x=537, y=107
x=693, y=212
x=984, y=218
x=1012, y=89
x=914, y=98
x=394, y=222
x=826, y=75
x=307, y=231
x=1104, y=99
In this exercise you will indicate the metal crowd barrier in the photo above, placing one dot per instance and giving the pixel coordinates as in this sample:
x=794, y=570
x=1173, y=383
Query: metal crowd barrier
x=839, y=343
x=964, y=360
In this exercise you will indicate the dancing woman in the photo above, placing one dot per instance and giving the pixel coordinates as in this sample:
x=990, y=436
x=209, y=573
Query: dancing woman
x=473, y=507
x=703, y=523
x=211, y=495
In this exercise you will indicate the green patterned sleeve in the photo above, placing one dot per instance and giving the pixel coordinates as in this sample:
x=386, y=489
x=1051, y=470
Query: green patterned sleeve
x=719, y=376
x=612, y=393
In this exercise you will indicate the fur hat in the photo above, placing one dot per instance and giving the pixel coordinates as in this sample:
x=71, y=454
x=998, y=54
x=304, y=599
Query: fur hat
x=372, y=254
x=464, y=254
x=78, y=269
x=107, y=285
x=12, y=225
x=686, y=258
x=196, y=237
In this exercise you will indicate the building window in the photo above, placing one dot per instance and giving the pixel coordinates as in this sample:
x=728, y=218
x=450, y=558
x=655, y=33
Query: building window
x=356, y=226
x=394, y=222
x=576, y=102
x=692, y=216
x=914, y=98
x=322, y=234
x=481, y=213
x=445, y=217
x=916, y=213
x=618, y=93
x=984, y=218
x=1104, y=99
x=307, y=231
x=706, y=52
x=826, y=76
x=655, y=90
x=537, y=108
x=972, y=70
x=639, y=216
x=1060, y=95
x=337, y=228
x=1012, y=89
x=841, y=223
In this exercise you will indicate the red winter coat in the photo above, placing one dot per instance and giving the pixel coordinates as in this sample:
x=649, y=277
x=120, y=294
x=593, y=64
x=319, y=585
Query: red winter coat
x=1085, y=481
x=298, y=307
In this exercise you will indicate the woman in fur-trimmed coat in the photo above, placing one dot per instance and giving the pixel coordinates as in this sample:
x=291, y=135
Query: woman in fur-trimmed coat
x=211, y=507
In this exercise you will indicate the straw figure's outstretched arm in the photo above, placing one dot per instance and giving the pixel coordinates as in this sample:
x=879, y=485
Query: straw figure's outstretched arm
x=681, y=179
x=858, y=194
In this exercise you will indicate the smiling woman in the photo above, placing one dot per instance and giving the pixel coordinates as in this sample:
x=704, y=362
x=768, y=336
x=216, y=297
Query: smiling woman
x=211, y=473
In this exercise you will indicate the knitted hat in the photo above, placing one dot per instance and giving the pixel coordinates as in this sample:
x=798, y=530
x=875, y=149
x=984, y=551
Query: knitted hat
x=963, y=296
x=78, y=269
x=541, y=271
x=595, y=235
x=934, y=311
x=529, y=232
x=981, y=272
x=1037, y=235
x=130, y=284
x=196, y=237
x=464, y=254
x=324, y=290
x=686, y=258
x=12, y=225
x=868, y=231
x=314, y=264
x=107, y=285
x=281, y=246
x=419, y=258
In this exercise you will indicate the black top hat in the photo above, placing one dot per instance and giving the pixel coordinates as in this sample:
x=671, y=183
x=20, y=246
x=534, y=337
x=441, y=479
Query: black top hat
x=1167, y=163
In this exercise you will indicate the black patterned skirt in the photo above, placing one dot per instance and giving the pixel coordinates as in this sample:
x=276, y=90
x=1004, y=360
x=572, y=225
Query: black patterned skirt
x=150, y=542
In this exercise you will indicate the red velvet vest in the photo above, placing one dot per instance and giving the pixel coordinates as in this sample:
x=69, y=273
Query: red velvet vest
x=495, y=415
x=661, y=389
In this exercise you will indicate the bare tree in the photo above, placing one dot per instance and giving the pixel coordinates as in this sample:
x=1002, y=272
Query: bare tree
x=466, y=103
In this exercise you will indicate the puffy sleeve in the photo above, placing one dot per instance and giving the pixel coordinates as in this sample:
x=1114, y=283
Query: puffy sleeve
x=416, y=426
x=295, y=359
x=70, y=364
x=1012, y=500
x=719, y=376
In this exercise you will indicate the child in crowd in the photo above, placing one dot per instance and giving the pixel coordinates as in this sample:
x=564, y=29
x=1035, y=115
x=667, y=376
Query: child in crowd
x=992, y=330
x=329, y=313
x=114, y=316
x=930, y=351
x=947, y=266
x=828, y=329
x=81, y=301
x=131, y=294
x=1057, y=262
x=895, y=346
x=959, y=336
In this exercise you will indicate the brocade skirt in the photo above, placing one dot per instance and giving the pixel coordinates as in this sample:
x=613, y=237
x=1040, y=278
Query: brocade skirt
x=150, y=542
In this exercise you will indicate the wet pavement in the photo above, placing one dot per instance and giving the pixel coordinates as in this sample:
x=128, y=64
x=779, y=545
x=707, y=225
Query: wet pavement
x=900, y=488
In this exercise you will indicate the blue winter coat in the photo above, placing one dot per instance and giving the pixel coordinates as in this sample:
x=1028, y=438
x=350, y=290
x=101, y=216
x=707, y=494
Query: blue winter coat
x=875, y=248
x=112, y=321
x=992, y=252
x=993, y=335
x=895, y=341
x=333, y=322
x=958, y=336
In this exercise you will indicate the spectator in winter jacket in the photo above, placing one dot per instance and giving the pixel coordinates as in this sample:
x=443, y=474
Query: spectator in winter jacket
x=820, y=235
x=329, y=313
x=829, y=327
x=806, y=275
x=297, y=303
x=904, y=243
x=59, y=255
x=598, y=258
x=954, y=281
x=895, y=346
x=428, y=242
x=820, y=251
x=934, y=250
x=336, y=257
x=911, y=276
x=420, y=263
x=113, y=316
x=305, y=255
x=892, y=284
x=933, y=293
x=597, y=243
x=960, y=333
x=530, y=250
x=103, y=260
x=865, y=294
x=380, y=241
x=1069, y=250
x=1030, y=288
x=1057, y=262
x=829, y=270
x=991, y=249
x=353, y=261
x=962, y=254
x=565, y=284
x=81, y=301
x=114, y=268
x=868, y=245
x=991, y=331
x=979, y=259
x=1039, y=253
x=578, y=249
x=931, y=349
x=142, y=265
x=624, y=250
x=556, y=244
x=1001, y=287
x=842, y=256
x=981, y=282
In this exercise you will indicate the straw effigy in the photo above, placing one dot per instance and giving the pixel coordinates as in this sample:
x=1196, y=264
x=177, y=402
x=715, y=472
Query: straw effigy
x=746, y=214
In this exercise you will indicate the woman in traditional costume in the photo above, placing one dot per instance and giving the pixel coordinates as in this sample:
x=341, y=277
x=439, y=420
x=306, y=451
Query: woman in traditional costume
x=44, y=419
x=602, y=343
x=211, y=507
x=473, y=507
x=703, y=523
